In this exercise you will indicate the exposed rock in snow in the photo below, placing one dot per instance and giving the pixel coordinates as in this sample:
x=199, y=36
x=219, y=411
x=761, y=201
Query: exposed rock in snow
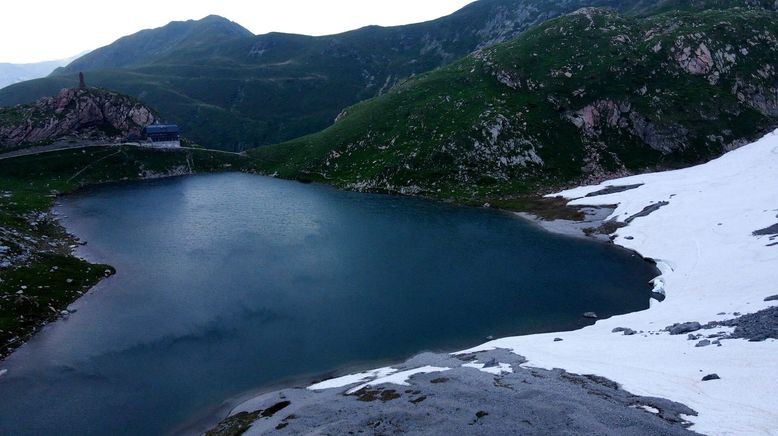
x=687, y=327
x=625, y=330
x=755, y=327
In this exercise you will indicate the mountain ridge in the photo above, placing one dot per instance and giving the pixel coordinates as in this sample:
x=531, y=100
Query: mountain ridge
x=241, y=92
x=147, y=45
x=582, y=97
x=265, y=89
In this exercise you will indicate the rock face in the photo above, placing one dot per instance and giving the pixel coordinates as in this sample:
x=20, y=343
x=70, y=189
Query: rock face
x=84, y=113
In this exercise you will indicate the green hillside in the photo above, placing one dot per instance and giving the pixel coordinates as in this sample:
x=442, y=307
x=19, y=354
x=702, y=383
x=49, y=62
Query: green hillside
x=579, y=98
x=150, y=45
x=232, y=90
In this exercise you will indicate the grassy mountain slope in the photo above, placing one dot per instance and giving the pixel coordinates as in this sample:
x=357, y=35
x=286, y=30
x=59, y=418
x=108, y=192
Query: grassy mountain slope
x=580, y=97
x=150, y=45
x=234, y=91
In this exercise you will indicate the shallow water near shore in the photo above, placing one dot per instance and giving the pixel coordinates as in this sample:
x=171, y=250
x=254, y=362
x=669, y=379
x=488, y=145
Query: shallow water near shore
x=230, y=282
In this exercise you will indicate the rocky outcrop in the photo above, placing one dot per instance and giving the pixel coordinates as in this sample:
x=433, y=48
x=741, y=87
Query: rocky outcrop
x=594, y=118
x=87, y=113
x=697, y=62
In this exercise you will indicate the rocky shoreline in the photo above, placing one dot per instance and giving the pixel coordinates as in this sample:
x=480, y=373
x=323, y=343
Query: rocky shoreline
x=459, y=396
x=485, y=393
x=593, y=225
x=40, y=277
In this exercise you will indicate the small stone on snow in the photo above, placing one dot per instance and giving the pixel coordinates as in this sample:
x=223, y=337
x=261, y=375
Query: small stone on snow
x=679, y=329
x=625, y=330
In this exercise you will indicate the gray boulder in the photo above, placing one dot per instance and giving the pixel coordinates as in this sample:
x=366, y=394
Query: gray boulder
x=625, y=330
x=681, y=328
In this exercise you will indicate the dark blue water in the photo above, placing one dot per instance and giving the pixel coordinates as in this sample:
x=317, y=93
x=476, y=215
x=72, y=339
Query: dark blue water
x=227, y=283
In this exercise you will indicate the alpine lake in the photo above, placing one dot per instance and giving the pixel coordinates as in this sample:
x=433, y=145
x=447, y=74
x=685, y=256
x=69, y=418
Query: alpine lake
x=231, y=283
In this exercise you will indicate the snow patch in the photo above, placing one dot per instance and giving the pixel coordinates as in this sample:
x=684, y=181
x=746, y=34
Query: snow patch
x=351, y=379
x=649, y=409
x=399, y=378
x=499, y=369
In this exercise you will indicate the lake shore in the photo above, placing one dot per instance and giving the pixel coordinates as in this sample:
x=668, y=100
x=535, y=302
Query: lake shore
x=40, y=276
x=30, y=229
x=487, y=392
x=591, y=226
x=708, y=229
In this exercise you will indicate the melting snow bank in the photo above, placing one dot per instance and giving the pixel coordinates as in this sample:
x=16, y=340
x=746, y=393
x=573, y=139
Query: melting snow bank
x=715, y=264
x=711, y=230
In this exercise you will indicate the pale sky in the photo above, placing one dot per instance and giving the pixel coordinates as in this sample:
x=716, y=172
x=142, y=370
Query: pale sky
x=38, y=30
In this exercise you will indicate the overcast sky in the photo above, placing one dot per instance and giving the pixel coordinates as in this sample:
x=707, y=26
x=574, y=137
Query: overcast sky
x=38, y=30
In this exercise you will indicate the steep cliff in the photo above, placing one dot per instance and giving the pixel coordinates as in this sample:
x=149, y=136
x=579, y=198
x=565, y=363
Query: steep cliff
x=89, y=113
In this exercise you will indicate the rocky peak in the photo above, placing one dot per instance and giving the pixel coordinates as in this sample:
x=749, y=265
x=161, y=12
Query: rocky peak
x=84, y=113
